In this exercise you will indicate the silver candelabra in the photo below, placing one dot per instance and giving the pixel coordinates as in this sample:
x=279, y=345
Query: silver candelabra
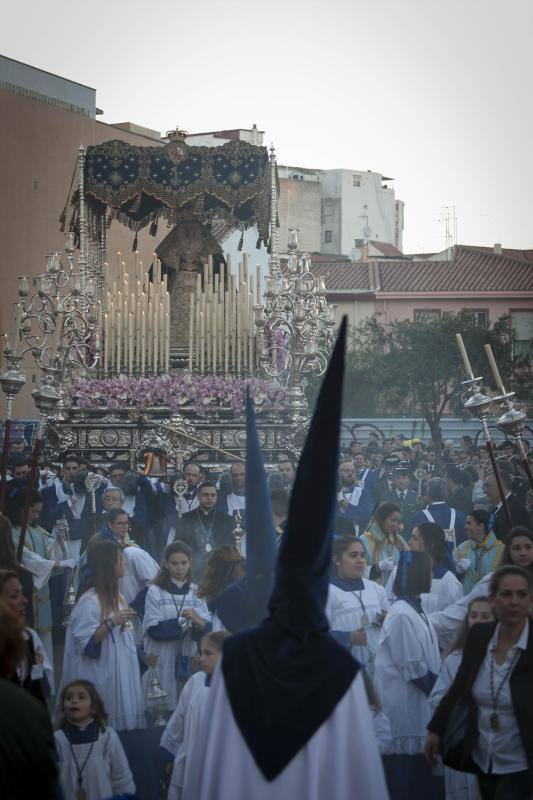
x=295, y=326
x=60, y=321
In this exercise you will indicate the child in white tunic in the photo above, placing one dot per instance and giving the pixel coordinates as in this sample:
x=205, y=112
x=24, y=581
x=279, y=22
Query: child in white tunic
x=407, y=665
x=174, y=619
x=181, y=732
x=92, y=762
x=459, y=785
x=356, y=607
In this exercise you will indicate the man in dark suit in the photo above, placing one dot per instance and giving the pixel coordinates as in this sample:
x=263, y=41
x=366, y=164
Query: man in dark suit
x=205, y=529
x=498, y=518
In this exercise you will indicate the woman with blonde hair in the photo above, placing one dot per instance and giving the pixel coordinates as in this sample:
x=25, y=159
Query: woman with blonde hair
x=383, y=542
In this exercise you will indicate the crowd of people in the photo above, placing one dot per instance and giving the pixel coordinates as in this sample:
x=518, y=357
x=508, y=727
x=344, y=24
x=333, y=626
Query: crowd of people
x=429, y=589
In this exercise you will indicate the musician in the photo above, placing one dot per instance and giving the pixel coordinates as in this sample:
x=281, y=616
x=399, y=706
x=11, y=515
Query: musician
x=69, y=498
x=402, y=495
x=354, y=503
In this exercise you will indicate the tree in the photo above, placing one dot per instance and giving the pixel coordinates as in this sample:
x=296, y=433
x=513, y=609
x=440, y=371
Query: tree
x=415, y=367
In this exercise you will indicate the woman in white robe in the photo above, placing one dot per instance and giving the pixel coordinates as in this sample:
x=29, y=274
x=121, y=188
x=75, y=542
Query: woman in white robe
x=407, y=664
x=356, y=607
x=174, y=618
x=181, y=733
x=446, y=589
x=459, y=785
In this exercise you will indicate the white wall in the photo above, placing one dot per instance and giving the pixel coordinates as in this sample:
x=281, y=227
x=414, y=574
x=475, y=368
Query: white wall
x=368, y=199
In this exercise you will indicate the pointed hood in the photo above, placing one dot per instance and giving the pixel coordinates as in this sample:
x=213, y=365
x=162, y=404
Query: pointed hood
x=300, y=593
x=244, y=603
x=285, y=677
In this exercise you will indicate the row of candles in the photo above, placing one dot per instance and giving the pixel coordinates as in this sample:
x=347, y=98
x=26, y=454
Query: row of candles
x=137, y=320
x=222, y=319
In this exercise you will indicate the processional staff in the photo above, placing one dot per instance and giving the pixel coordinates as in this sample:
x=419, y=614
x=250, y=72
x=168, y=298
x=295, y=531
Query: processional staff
x=512, y=420
x=479, y=404
x=46, y=396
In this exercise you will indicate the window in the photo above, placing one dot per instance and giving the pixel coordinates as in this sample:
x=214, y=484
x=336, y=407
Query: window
x=481, y=317
x=522, y=322
x=328, y=237
x=356, y=180
x=426, y=314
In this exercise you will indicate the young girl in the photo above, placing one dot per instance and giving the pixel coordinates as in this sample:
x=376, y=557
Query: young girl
x=92, y=762
x=182, y=728
x=460, y=785
x=174, y=620
x=356, y=607
x=383, y=542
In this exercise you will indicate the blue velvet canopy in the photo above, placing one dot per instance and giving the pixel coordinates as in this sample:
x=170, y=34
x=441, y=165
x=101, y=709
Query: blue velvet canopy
x=137, y=185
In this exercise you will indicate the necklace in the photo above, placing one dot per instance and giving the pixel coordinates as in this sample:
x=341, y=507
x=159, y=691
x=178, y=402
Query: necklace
x=365, y=621
x=207, y=531
x=495, y=717
x=81, y=794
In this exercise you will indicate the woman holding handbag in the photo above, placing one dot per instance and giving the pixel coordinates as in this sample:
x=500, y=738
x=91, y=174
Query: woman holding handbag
x=484, y=724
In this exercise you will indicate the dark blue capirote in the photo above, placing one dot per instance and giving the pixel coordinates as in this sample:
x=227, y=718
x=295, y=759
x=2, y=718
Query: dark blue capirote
x=285, y=677
x=244, y=603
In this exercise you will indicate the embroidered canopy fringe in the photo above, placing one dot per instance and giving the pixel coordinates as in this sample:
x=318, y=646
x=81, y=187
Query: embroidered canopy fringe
x=138, y=185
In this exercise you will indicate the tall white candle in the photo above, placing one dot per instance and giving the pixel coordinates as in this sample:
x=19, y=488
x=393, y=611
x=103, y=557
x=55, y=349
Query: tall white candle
x=191, y=331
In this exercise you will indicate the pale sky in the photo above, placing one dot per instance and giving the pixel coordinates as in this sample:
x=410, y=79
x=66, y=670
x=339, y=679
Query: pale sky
x=434, y=94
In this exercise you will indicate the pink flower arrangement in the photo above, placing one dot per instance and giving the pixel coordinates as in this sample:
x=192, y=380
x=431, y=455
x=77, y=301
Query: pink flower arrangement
x=203, y=393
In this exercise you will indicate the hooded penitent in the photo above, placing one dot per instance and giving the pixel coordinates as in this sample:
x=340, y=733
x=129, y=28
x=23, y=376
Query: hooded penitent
x=244, y=603
x=285, y=677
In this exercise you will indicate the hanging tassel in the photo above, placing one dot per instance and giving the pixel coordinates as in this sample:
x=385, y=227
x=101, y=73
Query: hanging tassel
x=63, y=220
x=153, y=228
x=241, y=241
x=258, y=244
x=134, y=246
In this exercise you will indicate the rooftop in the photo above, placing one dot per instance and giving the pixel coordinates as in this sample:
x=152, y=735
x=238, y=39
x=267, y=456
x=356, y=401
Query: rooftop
x=470, y=270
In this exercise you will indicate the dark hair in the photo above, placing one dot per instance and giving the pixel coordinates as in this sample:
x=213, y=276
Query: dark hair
x=288, y=460
x=481, y=516
x=113, y=514
x=123, y=466
x=502, y=572
x=462, y=633
x=341, y=544
x=206, y=485
x=70, y=457
x=518, y=530
x=102, y=559
x=11, y=642
x=217, y=639
x=384, y=511
x=279, y=499
x=219, y=571
x=98, y=711
x=7, y=575
x=8, y=559
x=17, y=503
x=418, y=568
x=434, y=541
x=163, y=579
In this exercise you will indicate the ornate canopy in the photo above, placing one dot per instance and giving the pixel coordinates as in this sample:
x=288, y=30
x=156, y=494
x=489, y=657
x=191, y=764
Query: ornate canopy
x=137, y=185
